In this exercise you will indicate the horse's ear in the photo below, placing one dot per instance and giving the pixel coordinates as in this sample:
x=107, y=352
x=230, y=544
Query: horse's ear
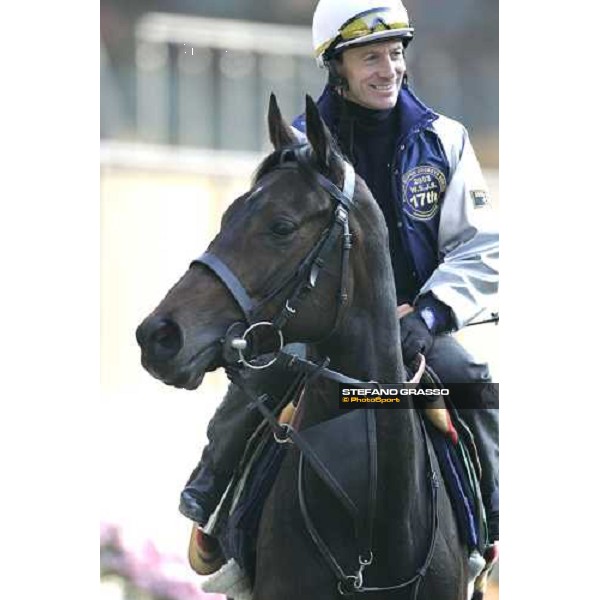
x=280, y=132
x=319, y=136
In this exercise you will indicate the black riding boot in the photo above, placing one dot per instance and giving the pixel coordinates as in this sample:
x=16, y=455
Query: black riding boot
x=228, y=432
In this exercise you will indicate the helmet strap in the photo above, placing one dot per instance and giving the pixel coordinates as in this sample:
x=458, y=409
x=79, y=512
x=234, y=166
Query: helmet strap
x=346, y=131
x=346, y=124
x=334, y=78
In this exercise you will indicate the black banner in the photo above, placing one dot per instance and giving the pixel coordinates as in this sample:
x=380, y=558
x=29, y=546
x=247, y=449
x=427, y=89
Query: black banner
x=399, y=395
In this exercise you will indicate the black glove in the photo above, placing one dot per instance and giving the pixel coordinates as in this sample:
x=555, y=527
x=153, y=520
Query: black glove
x=415, y=336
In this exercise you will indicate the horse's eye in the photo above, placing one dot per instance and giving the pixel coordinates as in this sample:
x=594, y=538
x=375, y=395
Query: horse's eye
x=283, y=227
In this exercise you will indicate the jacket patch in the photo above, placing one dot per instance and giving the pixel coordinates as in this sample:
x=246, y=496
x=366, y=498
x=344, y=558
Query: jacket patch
x=423, y=189
x=480, y=198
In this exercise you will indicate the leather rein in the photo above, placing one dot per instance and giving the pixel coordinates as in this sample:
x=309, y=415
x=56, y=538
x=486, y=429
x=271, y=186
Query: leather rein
x=236, y=341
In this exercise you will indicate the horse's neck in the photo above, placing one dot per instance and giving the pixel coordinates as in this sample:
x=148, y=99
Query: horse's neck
x=367, y=344
x=365, y=348
x=368, y=347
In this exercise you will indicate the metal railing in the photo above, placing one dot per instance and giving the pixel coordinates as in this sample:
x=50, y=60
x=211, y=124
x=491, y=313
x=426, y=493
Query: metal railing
x=206, y=82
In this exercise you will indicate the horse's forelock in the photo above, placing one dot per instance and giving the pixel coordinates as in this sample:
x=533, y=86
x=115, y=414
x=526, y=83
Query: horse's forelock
x=266, y=165
x=307, y=162
x=271, y=162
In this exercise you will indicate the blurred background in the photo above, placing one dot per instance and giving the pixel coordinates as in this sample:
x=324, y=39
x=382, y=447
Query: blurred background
x=184, y=91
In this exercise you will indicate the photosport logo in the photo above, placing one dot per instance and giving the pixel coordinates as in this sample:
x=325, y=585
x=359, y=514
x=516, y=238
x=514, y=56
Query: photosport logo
x=461, y=395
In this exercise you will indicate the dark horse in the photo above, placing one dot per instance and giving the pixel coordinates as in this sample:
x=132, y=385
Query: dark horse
x=265, y=235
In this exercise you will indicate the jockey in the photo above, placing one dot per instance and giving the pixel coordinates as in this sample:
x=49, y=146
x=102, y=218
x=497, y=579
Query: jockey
x=423, y=173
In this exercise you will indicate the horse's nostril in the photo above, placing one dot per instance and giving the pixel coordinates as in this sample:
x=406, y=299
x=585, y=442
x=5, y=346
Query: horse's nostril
x=160, y=338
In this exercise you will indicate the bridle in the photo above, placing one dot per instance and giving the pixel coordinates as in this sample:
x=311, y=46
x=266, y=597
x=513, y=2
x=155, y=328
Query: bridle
x=302, y=282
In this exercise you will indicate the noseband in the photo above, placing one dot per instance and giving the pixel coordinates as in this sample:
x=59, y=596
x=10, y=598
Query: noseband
x=303, y=280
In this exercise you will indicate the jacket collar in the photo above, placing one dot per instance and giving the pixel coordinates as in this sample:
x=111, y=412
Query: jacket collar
x=412, y=113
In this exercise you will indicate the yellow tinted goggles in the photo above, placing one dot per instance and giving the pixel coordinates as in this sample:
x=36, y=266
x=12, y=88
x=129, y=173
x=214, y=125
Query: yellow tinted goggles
x=366, y=24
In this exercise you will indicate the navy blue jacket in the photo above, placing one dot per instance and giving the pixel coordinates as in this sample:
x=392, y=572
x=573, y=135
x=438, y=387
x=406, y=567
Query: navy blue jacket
x=438, y=191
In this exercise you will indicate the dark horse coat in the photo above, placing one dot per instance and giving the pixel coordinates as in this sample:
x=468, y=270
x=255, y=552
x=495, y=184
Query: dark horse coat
x=265, y=235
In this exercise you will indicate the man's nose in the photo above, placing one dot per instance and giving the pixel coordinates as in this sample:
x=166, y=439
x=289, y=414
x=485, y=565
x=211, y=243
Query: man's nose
x=387, y=68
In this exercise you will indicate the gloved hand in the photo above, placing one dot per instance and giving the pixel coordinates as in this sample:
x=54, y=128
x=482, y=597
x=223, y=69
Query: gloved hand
x=415, y=336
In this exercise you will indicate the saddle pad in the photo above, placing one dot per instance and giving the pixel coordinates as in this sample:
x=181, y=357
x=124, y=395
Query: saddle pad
x=241, y=532
x=218, y=521
x=462, y=487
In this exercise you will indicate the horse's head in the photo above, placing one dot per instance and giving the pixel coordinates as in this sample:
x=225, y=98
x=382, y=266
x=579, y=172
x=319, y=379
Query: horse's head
x=272, y=246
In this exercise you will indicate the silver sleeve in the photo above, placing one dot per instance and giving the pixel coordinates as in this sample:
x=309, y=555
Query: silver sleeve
x=467, y=277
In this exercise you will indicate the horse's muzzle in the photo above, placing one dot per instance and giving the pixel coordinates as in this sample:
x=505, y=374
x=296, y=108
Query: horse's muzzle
x=166, y=356
x=160, y=339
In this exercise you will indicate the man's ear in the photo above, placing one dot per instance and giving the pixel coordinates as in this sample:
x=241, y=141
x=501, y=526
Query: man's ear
x=280, y=133
x=320, y=138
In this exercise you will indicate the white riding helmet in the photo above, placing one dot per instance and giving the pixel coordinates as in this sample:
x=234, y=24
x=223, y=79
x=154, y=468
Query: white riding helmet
x=341, y=24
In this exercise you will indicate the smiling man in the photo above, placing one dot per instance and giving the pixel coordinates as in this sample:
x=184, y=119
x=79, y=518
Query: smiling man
x=374, y=74
x=423, y=173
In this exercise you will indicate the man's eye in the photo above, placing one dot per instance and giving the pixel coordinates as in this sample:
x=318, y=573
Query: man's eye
x=283, y=228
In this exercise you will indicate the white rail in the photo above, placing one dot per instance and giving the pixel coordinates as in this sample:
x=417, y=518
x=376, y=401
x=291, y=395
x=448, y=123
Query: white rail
x=225, y=34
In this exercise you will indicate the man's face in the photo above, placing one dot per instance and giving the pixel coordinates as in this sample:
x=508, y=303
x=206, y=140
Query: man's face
x=374, y=74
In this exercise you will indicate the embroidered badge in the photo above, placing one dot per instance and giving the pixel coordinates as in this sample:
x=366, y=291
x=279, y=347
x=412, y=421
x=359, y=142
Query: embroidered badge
x=480, y=198
x=423, y=188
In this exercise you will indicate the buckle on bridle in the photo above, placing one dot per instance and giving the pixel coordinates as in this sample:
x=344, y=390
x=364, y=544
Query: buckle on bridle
x=341, y=215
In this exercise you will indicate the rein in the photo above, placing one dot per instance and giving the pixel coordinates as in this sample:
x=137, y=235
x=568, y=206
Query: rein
x=304, y=280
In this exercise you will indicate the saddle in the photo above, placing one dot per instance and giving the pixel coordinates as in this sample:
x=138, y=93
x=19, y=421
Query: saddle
x=457, y=456
x=237, y=518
